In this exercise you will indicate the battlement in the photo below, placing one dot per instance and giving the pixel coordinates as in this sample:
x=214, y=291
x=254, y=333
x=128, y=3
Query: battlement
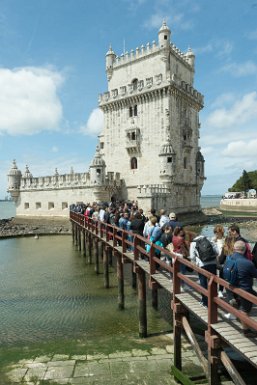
x=72, y=180
x=143, y=52
x=146, y=85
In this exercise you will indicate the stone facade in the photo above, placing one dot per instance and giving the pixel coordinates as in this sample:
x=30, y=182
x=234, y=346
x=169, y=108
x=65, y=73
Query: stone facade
x=148, y=149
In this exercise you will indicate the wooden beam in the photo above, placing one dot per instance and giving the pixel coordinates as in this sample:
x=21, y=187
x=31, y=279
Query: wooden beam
x=195, y=345
x=234, y=374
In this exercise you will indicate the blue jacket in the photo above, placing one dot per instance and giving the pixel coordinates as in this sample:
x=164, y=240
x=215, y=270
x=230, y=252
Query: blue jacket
x=246, y=272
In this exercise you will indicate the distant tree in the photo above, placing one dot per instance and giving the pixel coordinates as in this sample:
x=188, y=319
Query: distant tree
x=245, y=182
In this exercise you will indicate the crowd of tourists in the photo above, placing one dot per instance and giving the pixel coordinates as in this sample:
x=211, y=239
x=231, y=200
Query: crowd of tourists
x=228, y=255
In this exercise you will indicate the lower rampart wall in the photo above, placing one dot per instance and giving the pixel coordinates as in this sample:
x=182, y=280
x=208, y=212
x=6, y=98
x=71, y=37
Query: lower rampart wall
x=247, y=204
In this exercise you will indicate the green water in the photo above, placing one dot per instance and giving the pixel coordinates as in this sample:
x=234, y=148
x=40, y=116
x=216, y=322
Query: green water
x=52, y=301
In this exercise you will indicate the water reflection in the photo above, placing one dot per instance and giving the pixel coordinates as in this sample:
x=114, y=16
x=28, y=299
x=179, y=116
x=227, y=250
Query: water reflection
x=49, y=292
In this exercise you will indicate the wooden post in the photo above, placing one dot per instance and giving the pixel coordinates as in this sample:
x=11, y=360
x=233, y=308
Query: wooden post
x=86, y=240
x=133, y=277
x=76, y=234
x=120, y=277
x=97, y=256
x=79, y=238
x=73, y=232
x=110, y=256
x=142, y=303
x=211, y=338
x=83, y=241
x=106, y=267
x=154, y=286
x=177, y=319
x=90, y=245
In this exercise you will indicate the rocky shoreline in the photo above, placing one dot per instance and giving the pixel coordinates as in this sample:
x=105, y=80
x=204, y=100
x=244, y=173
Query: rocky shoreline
x=33, y=226
x=27, y=226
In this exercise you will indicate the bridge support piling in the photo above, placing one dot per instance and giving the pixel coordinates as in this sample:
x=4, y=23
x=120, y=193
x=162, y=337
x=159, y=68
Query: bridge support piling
x=106, y=267
x=133, y=277
x=97, y=270
x=83, y=241
x=120, y=276
x=79, y=239
x=90, y=245
x=73, y=232
x=154, y=286
x=142, y=303
x=76, y=235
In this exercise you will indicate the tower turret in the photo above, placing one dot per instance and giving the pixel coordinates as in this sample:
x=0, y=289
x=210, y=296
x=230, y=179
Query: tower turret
x=168, y=161
x=190, y=57
x=164, y=36
x=110, y=58
x=14, y=181
x=97, y=169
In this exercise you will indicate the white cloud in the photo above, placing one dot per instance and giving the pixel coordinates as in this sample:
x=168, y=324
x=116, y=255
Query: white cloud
x=220, y=47
x=29, y=102
x=252, y=35
x=241, y=112
x=241, y=69
x=241, y=149
x=54, y=149
x=94, y=124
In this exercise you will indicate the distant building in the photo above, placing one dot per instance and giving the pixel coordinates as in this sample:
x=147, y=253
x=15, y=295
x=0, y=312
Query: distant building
x=149, y=147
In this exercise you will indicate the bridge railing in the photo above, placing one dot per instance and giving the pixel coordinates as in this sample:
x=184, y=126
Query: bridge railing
x=131, y=242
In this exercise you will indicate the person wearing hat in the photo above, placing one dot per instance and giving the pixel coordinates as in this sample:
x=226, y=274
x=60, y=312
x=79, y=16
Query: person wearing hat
x=173, y=222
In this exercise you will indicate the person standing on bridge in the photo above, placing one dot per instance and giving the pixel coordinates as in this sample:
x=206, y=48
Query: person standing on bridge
x=204, y=254
x=246, y=271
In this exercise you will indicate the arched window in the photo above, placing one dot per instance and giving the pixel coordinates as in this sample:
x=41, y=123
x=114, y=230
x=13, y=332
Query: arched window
x=185, y=162
x=134, y=83
x=133, y=163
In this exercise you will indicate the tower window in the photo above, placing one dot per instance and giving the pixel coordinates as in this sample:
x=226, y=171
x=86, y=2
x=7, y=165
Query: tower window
x=185, y=162
x=169, y=159
x=165, y=37
x=133, y=163
x=50, y=205
x=133, y=135
x=38, y=205
x=133, y=111
x=101, y=145
x=134, y=83
x=98, y=171
x=26, y=205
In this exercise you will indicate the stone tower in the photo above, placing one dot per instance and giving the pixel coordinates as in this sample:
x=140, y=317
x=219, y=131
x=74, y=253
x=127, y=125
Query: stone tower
x=151, y=125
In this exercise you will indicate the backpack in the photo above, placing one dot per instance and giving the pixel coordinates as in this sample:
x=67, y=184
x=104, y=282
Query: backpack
x=205, y=249
x=230, y=270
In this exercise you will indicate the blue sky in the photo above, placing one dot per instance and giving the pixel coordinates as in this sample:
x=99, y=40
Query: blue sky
x=52, y=68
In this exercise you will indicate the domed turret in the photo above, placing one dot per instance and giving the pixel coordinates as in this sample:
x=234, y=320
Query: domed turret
x=164, y=36
x=167, y=156
x=14, y=180
x=109, y=60
x=97, y=169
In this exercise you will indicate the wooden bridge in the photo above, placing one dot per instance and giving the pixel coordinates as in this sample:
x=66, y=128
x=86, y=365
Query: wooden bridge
x=107, y=240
